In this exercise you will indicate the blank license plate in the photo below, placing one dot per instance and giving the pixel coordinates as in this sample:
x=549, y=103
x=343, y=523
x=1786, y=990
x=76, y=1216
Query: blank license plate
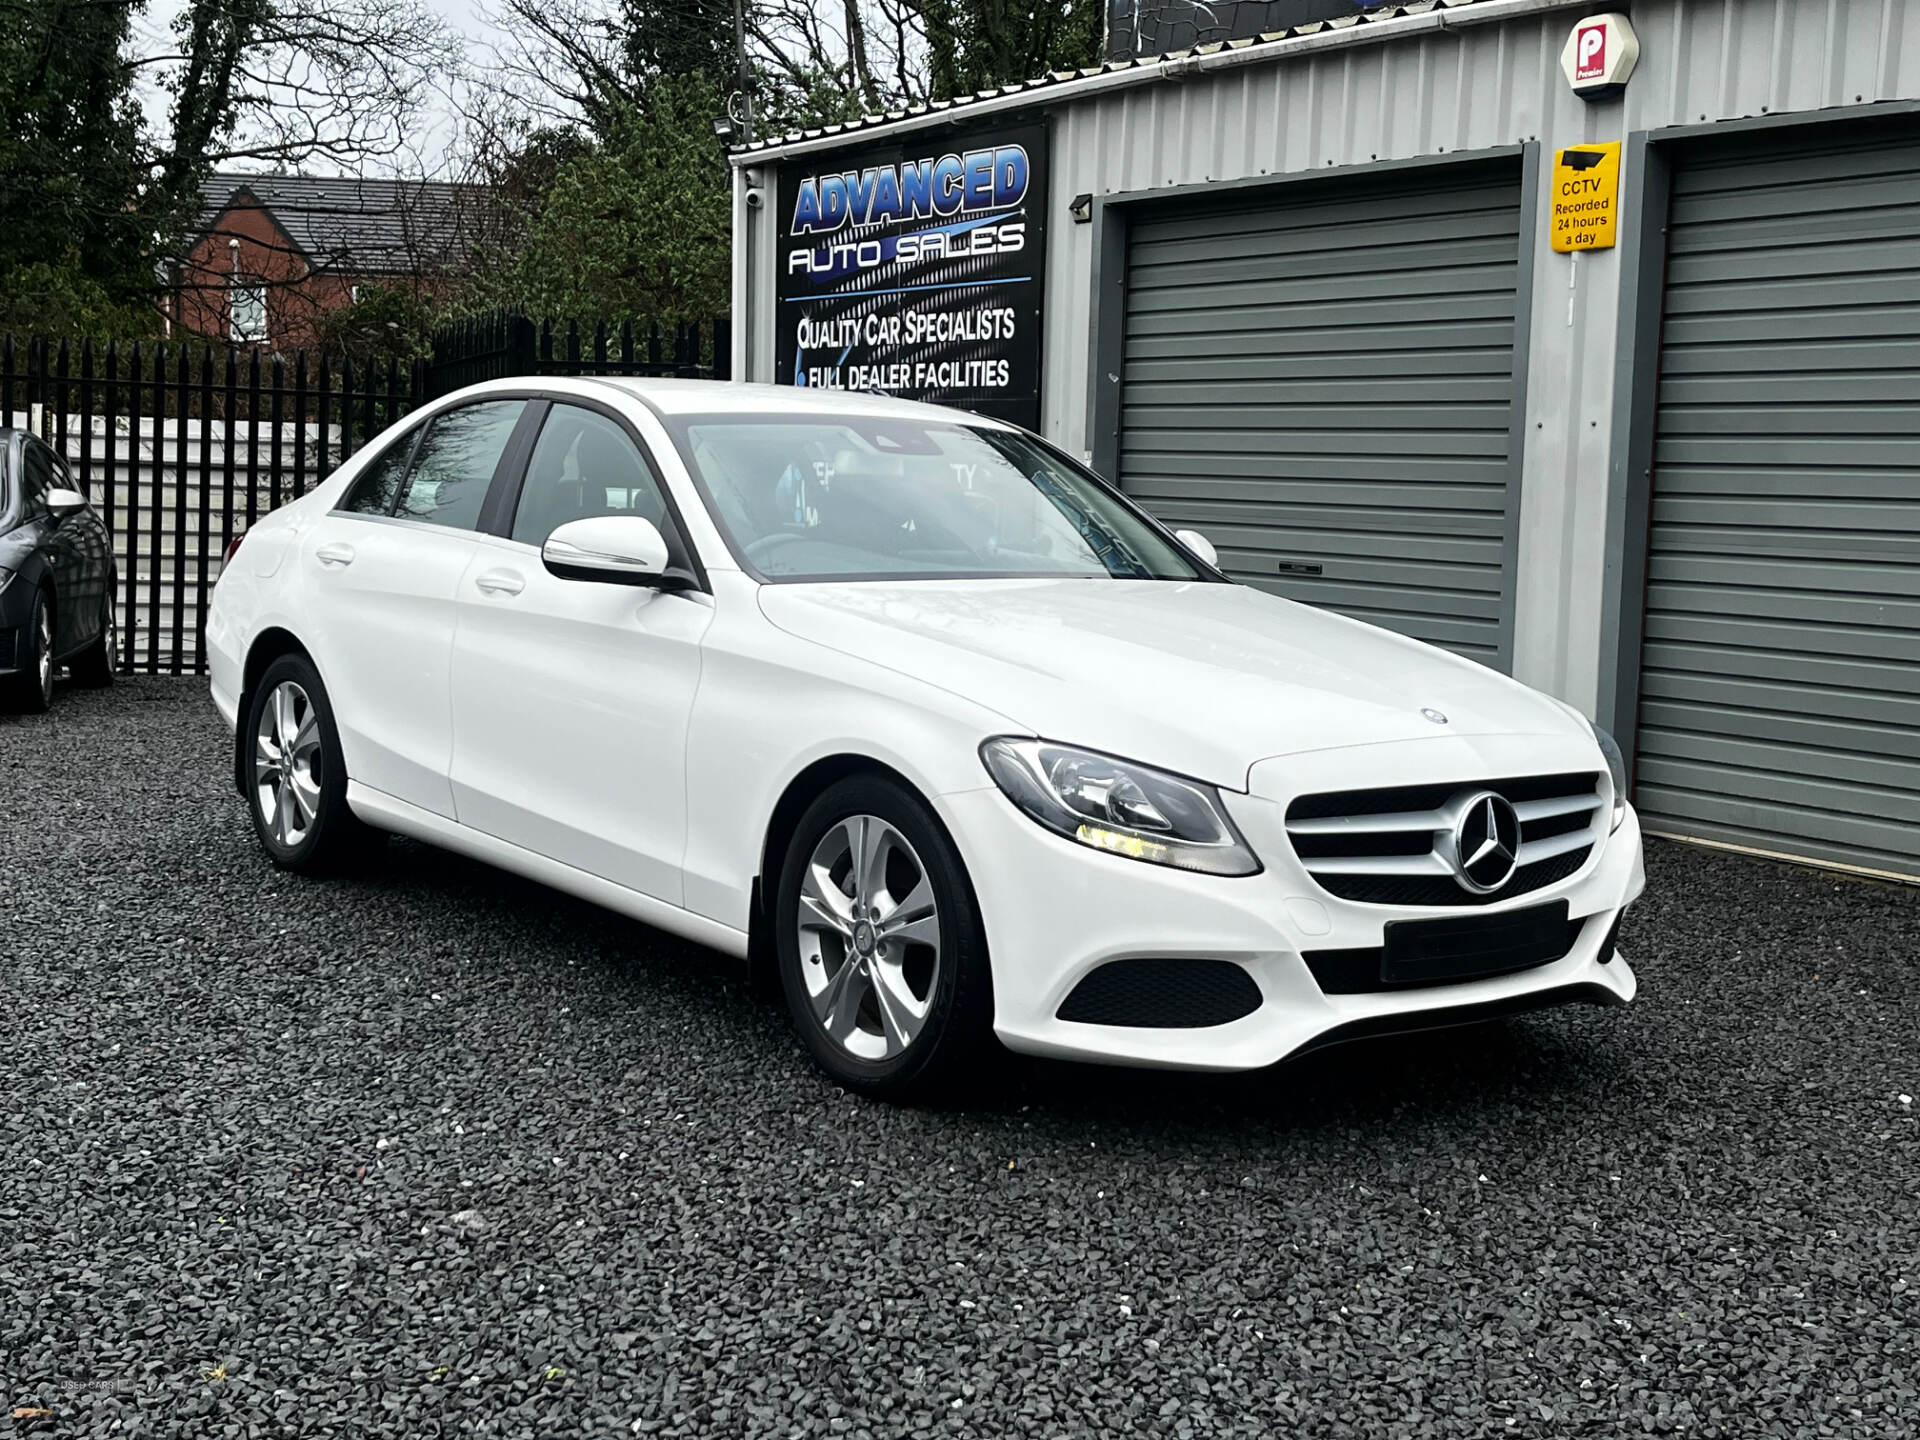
x=1424, y=952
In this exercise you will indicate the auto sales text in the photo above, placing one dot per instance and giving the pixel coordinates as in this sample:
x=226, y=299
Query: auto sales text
x=840, y=256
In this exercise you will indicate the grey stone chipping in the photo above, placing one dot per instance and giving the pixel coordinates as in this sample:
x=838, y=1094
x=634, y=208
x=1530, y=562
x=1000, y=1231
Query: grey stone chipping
x=614, y=1199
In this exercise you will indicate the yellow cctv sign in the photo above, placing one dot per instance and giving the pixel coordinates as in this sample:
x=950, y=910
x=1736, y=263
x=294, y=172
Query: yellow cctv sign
x=1586, y=196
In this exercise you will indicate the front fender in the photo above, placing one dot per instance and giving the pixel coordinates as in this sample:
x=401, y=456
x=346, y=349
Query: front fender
x=769, y=708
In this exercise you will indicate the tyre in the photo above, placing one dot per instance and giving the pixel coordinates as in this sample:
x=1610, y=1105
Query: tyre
x=31, y=688
x=95, y=666
x=296, y=778
x=881, y=952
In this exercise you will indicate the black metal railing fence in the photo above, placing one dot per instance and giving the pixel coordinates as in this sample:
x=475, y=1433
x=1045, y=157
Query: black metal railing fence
x=182, y=444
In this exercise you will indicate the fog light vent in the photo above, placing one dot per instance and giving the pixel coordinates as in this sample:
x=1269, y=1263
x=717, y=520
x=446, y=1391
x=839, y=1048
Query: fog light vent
x=1609, y=947
x=1163, y=994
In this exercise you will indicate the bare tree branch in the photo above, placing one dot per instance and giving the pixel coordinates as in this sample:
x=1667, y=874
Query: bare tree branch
x=286, y=83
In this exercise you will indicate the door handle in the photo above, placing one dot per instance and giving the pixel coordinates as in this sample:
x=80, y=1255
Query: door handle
x=334, y=553
x=499, y=582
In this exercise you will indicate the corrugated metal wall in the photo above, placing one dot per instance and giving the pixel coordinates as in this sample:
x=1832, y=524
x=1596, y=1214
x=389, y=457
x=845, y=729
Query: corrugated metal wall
x=1321, y=382
x=1471, y=87
x=1478, y=88
x=1780, y=688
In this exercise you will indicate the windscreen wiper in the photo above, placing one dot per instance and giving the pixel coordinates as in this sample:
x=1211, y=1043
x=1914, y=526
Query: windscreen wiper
x=1108, y=548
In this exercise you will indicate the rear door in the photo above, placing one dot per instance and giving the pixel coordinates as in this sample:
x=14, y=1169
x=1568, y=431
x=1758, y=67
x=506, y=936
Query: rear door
x=571, y=698
x=383, y=570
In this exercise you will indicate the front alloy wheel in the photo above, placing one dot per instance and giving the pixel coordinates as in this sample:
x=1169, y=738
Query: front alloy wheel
x=30, y=688
x=43, y=654
x=882, y=954
x=869, y=938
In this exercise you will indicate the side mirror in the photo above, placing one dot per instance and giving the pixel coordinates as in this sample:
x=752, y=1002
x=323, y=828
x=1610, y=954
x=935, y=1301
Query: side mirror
x=64, y=502
x=613, y=549
x=1200, y=547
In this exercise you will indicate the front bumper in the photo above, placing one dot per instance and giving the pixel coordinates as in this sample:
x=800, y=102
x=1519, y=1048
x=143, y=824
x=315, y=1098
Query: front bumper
x=1054, y=911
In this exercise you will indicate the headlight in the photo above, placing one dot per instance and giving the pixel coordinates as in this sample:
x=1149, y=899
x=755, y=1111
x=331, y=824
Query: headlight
x=1118, y=806
x=1617, y=767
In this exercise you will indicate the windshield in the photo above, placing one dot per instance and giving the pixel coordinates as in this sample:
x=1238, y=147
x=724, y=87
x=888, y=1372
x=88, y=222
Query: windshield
x=864, y=498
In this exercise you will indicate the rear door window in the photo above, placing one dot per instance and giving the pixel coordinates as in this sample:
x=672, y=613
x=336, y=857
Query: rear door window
x=453, y=468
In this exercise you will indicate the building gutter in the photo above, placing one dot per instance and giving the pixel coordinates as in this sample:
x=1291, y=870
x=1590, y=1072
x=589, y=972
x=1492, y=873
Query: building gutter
x=1231, y=56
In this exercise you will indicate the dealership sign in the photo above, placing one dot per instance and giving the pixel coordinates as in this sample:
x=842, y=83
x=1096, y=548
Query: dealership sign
x=1600, y=55
x=916, y=270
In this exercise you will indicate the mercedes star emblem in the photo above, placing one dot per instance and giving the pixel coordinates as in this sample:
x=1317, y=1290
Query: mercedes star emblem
x=1486, y=843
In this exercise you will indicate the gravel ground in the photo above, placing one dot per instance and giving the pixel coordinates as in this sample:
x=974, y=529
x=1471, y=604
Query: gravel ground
x=432, y=1150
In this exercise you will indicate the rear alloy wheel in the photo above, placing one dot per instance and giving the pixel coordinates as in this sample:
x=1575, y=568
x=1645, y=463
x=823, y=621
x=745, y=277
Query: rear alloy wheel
x=287, y=764
x=882, y=956
x=296, y=779
x=30, y=689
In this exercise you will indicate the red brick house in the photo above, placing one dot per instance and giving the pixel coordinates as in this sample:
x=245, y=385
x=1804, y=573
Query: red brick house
x=272, y=254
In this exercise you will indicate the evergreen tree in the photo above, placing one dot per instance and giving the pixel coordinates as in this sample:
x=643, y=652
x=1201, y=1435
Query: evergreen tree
x=974, y=45
x=77, y=246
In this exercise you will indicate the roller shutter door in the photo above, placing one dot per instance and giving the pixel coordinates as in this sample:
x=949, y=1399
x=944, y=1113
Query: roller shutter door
x=1321, y=382
x=1780, y=681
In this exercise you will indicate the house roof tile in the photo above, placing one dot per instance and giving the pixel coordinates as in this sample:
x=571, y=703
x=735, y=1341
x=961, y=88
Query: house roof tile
x=357, y=225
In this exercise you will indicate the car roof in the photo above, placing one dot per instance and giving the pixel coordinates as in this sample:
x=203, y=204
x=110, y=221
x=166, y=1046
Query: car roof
x=733, y=397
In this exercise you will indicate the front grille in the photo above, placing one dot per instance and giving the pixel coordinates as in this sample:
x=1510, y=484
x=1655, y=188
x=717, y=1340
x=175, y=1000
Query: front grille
x=1384, y=847
x=1162, y=994
x=1507, y=946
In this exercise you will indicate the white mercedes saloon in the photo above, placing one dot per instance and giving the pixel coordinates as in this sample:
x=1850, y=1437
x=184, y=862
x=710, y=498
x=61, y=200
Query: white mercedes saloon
x=917, y=711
